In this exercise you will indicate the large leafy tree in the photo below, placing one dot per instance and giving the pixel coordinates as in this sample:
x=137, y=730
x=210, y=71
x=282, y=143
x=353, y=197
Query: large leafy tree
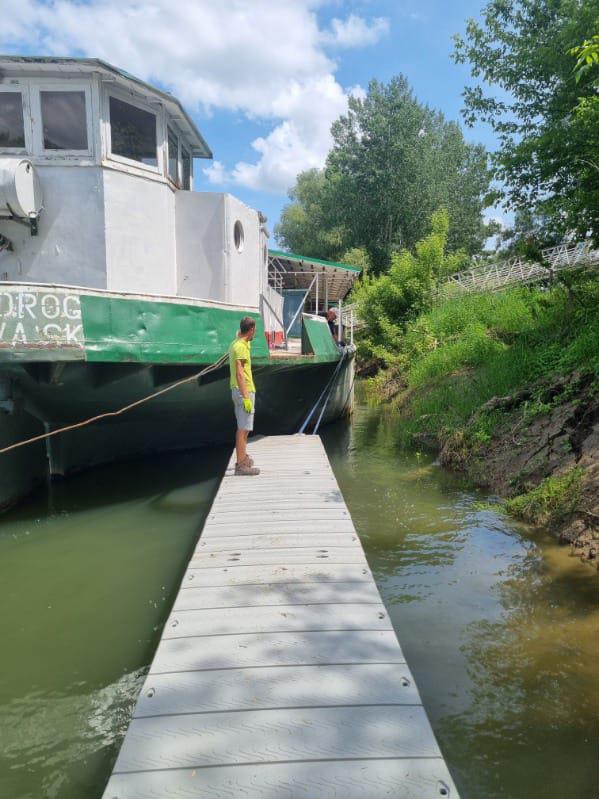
x=393, y=162
x=542, y=107
x=306, y=226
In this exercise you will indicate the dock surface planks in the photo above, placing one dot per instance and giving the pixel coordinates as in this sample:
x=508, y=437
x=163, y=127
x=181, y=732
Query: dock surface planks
x=279, y=674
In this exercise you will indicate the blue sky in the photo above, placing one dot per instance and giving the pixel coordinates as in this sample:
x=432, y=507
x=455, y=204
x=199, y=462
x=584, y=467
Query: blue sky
x=419, y=45
x=263, y=79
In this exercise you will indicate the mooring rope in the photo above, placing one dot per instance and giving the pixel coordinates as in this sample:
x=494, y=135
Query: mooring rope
x=213, y=367
x=329, y=388
x=124, y=409
x=327, y=398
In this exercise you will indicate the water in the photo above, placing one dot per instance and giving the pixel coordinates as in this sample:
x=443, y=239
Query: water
x=87, y=576
x=499, y=627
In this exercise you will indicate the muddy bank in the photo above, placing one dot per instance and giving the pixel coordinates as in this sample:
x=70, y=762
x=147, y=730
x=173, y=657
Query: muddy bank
x=538, y=448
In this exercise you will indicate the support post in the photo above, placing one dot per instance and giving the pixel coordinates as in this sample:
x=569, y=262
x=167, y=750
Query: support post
x=340, y=324
x=317, y=294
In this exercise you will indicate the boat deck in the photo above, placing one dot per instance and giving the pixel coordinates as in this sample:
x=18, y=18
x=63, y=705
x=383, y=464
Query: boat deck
x=279, y=674
x=294, y=348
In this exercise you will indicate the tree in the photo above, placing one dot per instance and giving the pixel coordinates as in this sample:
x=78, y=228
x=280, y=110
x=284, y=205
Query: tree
x=393, y=162
x=305, y=225
x=388, y=302
x=541, y=106
x=356, y=256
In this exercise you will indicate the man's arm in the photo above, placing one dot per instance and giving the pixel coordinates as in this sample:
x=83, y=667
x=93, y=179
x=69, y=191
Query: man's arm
x=241, y=378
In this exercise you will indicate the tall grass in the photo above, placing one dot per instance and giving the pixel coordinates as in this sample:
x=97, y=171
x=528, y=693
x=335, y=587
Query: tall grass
x=469, y=349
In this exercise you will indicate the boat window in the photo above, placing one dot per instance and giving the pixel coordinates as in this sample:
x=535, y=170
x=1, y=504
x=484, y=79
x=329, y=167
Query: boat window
x=173, y=156
x=133, y=132
x=186, y=168
x=238, y=236
x=12, y=128
x=64, y=120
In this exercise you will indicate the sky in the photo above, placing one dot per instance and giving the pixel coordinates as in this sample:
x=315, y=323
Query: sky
x=263, y=79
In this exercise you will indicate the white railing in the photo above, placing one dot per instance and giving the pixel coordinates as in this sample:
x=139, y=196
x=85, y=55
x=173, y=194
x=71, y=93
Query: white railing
x=349, y=316
x=503, y=274
x=350, y=321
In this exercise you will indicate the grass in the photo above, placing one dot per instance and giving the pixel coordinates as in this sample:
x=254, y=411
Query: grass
x=466, y=350
x=551, y=501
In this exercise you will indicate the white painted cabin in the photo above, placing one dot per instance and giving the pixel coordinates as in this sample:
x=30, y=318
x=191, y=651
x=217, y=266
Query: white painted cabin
x=114, y=157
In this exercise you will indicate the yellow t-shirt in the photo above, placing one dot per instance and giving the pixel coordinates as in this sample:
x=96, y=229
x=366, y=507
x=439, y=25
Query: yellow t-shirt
x=240, y=351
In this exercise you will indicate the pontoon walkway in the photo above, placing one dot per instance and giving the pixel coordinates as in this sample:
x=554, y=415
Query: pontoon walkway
x=279, y=674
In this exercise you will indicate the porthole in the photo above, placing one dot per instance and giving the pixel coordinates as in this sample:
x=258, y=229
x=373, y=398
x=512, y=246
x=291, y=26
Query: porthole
x=238, y=236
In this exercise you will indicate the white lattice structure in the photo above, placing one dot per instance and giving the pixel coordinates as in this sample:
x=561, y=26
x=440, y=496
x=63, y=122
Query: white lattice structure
x=503, y=274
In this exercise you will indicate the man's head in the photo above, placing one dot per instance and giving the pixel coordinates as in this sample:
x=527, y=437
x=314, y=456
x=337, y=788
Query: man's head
x=331, y=315
x=247, y=328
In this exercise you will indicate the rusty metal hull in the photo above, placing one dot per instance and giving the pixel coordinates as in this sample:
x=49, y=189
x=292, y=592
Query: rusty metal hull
x=52, y=395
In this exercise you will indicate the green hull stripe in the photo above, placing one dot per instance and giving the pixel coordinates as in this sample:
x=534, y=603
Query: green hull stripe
x=60, y=324
x=160, y=332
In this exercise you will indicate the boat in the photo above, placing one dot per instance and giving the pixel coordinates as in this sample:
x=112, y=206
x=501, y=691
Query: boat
x=117, y=280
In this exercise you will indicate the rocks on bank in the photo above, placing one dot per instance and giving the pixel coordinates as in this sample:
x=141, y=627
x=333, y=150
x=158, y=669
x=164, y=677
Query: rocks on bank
x=542, y=454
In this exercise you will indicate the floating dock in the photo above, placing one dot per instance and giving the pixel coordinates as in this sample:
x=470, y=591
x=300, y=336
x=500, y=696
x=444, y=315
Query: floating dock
x=279, y=674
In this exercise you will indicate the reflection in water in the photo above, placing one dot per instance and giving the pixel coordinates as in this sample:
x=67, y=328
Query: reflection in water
x=499, y=627
x=64, y=739
x=88, y=575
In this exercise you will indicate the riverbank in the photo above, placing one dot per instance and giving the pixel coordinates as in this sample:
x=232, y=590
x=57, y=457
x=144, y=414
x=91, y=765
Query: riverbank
x=505, y=388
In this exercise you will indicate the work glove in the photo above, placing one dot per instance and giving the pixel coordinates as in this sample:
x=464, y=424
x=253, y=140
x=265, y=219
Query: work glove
x=248, y=406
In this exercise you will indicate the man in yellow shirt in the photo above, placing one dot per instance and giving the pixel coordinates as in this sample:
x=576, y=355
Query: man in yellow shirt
x=243, y=392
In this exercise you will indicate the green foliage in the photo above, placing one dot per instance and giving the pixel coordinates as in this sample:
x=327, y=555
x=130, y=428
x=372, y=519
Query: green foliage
x=463, y=351
x=552, y=500
x=587, y=55
x=393, y=163
x=356, y=256
x=387, y=302
x=541, y=104
x=305, y=225
x=473, y=347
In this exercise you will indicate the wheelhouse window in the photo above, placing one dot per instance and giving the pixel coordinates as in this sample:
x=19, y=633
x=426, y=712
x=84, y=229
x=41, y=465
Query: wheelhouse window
x=64, y=120
x=185, y=169
x=12, y=128
x=133, y=132
x=173, y=157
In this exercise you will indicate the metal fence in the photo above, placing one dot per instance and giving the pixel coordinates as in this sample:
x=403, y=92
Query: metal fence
x=503, y=274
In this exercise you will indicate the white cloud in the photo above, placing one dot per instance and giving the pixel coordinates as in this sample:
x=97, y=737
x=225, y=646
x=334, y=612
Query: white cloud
x=215, y=173
x=263, y=59
x=355, y=31
x=302, y=141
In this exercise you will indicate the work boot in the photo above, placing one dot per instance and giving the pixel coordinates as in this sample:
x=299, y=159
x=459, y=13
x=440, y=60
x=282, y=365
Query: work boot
x=245, y=468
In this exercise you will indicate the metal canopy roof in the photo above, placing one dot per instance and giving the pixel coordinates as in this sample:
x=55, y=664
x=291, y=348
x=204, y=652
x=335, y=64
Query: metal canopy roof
x=287, y=270
x=62, y=65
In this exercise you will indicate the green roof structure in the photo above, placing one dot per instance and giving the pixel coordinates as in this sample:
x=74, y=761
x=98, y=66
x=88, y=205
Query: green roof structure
x=291, y=256
x=328, y=281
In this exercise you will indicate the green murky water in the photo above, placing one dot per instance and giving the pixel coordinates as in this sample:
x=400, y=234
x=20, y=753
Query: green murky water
x=500, y=628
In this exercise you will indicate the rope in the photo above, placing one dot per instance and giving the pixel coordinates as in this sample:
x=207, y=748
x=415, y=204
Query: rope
x=122, y=410
x=328, y=397
x=324, y=391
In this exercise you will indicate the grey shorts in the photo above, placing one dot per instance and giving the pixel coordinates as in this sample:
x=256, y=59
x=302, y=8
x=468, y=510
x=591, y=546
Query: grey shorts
x=245, y=420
